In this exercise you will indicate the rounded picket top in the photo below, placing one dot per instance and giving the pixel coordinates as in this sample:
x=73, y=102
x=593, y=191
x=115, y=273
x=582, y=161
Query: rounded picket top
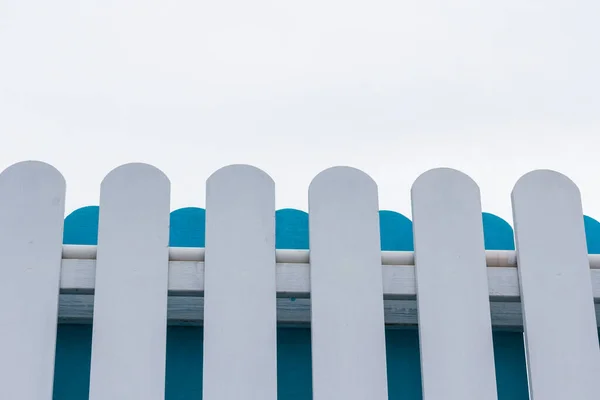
x=342, y=199
x=395, y=231
x=345, y=254
x=187, y=227
x=541, y=183
x=592, y=234
x=136, y=175
x=240, y=193
x=240, y=208
x=497, y=233
x=130, y=195
x=447, y=220
x=341, y=181
x=451, y=274
x=240, y=261
x=445, y=203
x=30, y=174
x=554, y=274
x=448, y=182
x=291, y=229
x=343, y=213
x=133, y=240
x=32, y=211
x=81, y=226
x=547, y=209
x=31, y=192
x=547, y=201
x=240, y=174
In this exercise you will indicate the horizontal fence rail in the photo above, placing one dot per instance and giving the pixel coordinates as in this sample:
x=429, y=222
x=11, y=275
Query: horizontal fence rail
x=346, y=271
x=493, y=258
x=186, y=287
x=186, y=279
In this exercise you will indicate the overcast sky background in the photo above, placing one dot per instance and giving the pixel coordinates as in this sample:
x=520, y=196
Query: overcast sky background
x=494, y=89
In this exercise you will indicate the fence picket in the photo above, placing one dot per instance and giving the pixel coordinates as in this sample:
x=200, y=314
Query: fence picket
x=240, y=335
x=348, y=341
x=239, y=276
x=130, y=304
x=563, y=358
x=457, y=359
x=32, y=203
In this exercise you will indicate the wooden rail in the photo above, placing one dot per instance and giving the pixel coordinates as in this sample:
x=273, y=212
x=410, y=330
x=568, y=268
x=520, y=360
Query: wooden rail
x=186, y=288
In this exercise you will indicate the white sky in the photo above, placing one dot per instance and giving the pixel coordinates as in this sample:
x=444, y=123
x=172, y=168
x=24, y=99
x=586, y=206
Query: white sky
x=394, y=88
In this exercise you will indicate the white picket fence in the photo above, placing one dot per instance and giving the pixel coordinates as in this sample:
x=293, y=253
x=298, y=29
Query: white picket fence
x=242, y=280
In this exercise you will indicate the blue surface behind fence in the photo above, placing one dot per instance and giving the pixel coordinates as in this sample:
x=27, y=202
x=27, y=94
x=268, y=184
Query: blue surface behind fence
x=184, y=344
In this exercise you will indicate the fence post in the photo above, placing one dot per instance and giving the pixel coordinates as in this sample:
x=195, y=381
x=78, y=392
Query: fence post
x=32, y=204
x=455, y=331
x=130, y=304
x=563, y=358
x=348, y=337
x=240, y=320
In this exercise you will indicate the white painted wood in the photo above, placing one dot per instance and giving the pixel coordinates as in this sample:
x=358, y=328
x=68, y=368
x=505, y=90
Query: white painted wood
x=563, y=358
x=294, y=311
x=186, y=278
x=130, y=306
x=240, y=335
x=348, y=343
x=494, y=258
x=32, y=203
x=455, y=334
x=293, y=280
